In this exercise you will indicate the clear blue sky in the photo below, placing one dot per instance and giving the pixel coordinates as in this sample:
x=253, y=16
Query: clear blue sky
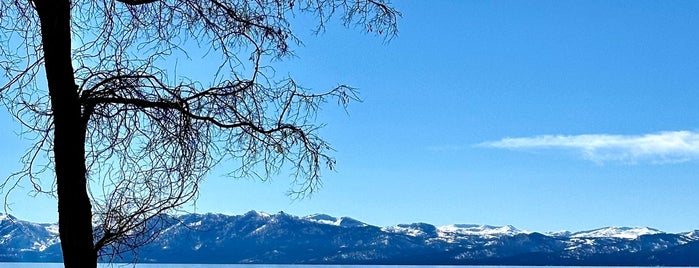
x=546, y=115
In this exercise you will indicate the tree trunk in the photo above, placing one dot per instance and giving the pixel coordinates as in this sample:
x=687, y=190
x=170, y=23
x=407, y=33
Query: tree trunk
x=74, y=208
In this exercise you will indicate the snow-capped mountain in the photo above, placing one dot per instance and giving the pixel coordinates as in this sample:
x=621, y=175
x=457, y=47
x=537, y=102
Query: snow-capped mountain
x=327, y=219
x=694, y=235
x=21, y=238
x=561, y=233
x=257, y=237
x=617, y=232
x=481, y=230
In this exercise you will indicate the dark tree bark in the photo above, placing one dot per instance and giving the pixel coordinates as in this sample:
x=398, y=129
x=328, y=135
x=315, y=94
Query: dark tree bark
x=74, y=209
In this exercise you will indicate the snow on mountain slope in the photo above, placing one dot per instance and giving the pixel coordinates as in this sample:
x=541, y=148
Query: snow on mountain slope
x=561, y=233
x=481, y=230
x=259, y=214
x=617, y=232
x=449, y=232
x=258, y=237
x=6, y=217
x=330, y=220
x=323, y=219
x=27, y=236
x=693, y=235
x=414, y=229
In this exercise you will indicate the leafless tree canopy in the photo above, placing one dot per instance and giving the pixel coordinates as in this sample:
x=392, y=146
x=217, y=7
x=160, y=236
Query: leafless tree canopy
x=152, y=136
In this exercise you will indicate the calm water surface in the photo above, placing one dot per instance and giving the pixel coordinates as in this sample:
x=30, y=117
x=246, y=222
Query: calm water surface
x=58, y=265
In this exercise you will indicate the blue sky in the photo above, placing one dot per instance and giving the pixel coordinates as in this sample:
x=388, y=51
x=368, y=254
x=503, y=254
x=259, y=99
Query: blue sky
x=546, y=115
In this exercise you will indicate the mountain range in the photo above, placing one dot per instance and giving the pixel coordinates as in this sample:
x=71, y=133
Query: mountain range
x=257, y=237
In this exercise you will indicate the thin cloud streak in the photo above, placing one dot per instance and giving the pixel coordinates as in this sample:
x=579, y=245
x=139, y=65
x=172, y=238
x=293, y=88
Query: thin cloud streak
x=662, y=147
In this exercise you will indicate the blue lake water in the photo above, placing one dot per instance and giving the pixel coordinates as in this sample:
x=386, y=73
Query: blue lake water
x=151, y=265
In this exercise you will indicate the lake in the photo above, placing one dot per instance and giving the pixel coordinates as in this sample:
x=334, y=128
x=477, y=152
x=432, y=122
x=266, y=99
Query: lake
x=154, y=265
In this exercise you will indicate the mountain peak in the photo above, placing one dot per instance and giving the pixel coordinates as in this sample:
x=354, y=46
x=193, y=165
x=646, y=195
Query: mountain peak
x=4, y=217
x=330, y=220
x=617, y=232
x=561, y=233
x=413, y=229
x=254, y=213
x=694, y=235
x=474, y=229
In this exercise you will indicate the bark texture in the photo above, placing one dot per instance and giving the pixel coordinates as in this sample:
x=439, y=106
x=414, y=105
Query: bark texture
x=74, y=209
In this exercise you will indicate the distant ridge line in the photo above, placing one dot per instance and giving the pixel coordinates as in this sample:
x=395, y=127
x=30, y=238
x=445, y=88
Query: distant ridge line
x=281, y=238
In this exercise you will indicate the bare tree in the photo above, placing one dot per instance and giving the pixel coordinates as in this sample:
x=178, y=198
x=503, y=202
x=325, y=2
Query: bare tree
x=120, y=140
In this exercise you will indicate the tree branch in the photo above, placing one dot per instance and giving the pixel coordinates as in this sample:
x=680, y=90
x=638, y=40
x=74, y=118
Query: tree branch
x=137, y=2
x=180, y=108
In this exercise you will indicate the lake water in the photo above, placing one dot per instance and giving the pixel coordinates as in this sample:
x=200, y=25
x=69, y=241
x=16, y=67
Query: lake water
x=157, y=265
x=154, y=265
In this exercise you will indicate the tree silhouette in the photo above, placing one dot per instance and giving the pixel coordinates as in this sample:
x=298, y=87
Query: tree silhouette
x=124, y=139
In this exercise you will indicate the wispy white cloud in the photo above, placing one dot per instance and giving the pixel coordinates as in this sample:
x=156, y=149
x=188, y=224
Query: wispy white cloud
x=662, y=147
